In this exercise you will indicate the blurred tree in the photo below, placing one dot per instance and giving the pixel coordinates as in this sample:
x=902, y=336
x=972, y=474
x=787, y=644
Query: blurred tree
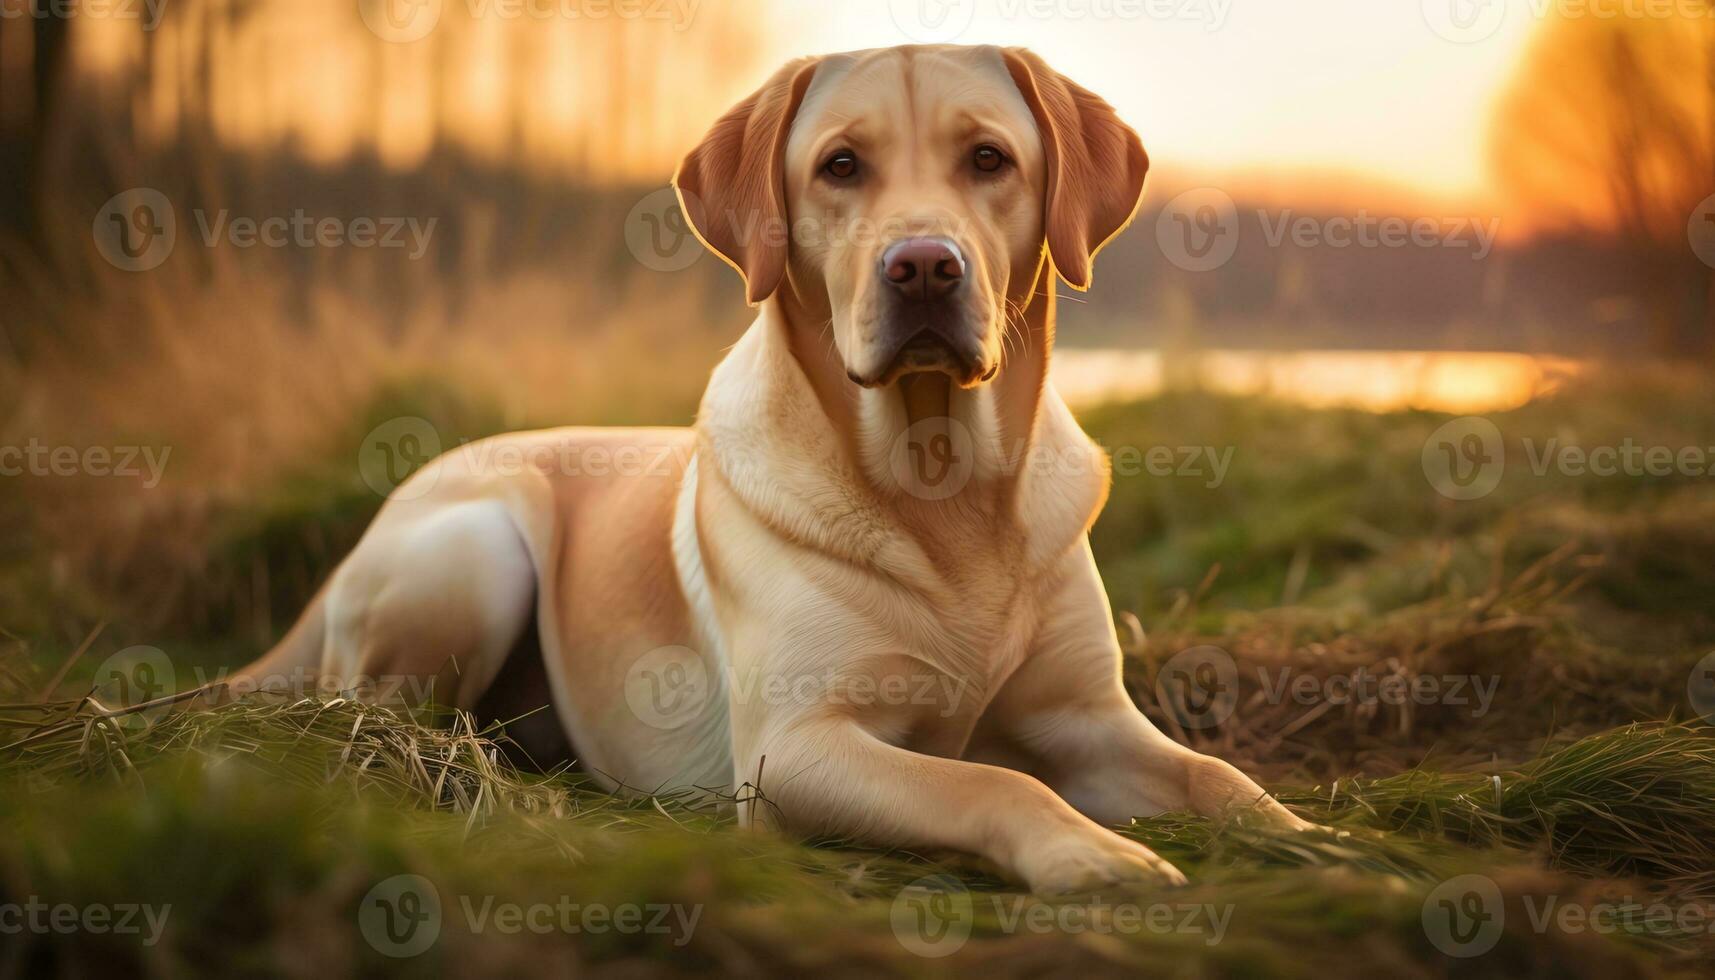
x=1609, y=128
x=32, y=67
x=34, y=51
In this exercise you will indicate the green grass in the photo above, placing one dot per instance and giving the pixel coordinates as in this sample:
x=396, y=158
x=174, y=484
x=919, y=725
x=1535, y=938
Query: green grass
x=1585, y=783
x=257, y=820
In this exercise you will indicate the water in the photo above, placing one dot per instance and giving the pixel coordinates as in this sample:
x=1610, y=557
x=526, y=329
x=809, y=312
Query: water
x=1451, y=381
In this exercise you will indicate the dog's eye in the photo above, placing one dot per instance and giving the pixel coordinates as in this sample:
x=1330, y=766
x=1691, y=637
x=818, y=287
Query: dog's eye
x=842, y=165
x=988, y=159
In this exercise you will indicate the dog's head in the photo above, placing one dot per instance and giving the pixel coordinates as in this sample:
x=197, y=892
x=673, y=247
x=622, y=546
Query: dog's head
x=907, y=195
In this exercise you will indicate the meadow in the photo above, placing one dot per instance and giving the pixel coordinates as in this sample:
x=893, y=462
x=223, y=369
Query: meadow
x=1507, y=687
x=1477, y=652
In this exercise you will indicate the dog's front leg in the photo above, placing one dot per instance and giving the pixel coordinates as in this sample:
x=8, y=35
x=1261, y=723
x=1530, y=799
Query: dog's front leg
x=826, y=775
x=1069, y=713
x=1105, y=758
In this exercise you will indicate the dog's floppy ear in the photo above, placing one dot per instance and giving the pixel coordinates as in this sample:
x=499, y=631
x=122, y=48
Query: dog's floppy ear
x=1095, y=163
x=732, y=187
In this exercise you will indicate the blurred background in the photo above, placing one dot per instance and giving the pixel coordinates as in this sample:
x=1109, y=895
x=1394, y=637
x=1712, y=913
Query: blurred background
x=1426, y=207
x=1417, y=310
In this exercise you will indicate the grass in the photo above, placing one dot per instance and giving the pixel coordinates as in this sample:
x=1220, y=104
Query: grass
x=1581, y=781
x=257, y=819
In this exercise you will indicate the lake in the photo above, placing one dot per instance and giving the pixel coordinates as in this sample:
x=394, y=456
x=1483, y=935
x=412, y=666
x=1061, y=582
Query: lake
x=1450, y=381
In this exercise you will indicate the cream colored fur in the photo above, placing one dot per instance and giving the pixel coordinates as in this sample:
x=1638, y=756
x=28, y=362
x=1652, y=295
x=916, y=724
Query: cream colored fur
x=780, y=602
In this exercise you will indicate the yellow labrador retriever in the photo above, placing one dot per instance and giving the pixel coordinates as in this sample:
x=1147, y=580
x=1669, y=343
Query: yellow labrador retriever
x=860, y=590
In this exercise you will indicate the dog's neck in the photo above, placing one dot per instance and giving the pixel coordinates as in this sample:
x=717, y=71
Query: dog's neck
x=1003, y=471
x=926, y=416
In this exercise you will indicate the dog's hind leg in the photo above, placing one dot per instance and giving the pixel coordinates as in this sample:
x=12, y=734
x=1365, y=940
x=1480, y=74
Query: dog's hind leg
x=429, y=605
x=426, y=607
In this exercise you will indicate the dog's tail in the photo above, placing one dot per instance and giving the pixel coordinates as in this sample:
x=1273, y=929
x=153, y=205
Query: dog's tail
x=292, y=666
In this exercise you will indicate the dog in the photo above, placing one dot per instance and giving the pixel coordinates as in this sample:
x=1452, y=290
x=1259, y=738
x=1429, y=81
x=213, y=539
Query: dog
x=859, y=594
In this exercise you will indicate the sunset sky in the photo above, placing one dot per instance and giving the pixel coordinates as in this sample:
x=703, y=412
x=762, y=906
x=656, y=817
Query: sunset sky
x=1333, y=88
x=1365, y=86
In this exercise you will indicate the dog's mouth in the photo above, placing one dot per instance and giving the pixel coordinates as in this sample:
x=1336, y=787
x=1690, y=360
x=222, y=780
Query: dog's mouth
x=928, y=351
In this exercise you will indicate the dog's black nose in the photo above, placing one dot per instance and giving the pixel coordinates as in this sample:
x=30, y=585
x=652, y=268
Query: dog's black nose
x=923, y=268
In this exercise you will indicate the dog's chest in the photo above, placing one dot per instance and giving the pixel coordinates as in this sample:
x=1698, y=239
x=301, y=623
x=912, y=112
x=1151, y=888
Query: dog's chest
x=961, y=630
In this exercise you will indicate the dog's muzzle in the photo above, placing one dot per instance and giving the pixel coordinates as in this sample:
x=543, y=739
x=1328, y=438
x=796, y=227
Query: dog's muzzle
x=926, y=313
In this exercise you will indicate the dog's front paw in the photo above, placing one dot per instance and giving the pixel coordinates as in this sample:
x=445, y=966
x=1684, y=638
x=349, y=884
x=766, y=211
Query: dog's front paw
x=1084, y=862
x=1269, y=814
